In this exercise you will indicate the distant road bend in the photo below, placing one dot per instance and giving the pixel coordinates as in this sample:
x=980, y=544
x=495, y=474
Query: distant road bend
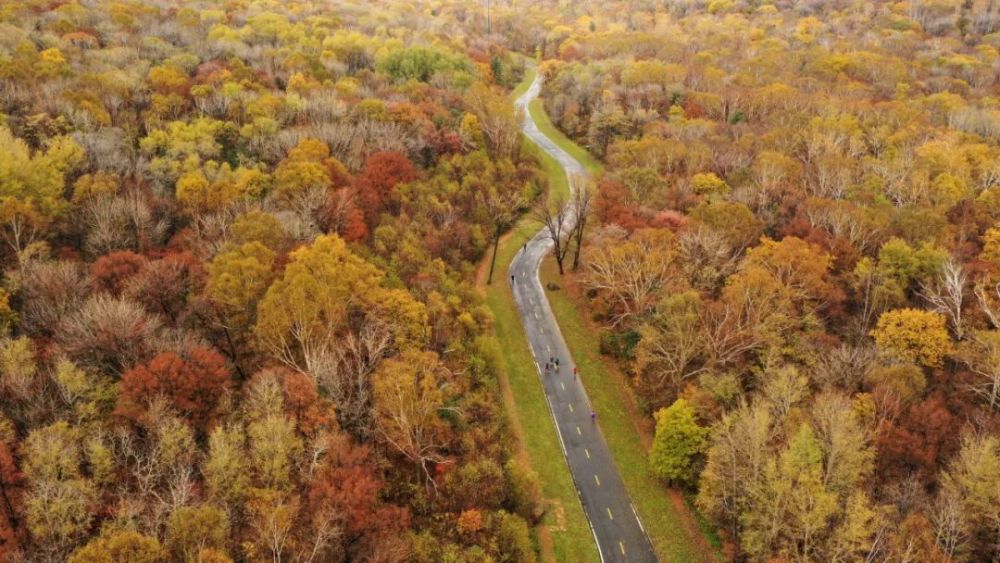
x=613, y=518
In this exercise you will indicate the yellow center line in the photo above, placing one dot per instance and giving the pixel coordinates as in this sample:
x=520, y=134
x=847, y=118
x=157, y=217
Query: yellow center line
x=611, y=516
x=621, y=546
x=586, y=451
x=598, y=480
x=571, y=407
x=578, y=433
x=563, y=385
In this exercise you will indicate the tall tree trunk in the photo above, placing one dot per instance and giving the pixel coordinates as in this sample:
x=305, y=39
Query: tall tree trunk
x=493, y=261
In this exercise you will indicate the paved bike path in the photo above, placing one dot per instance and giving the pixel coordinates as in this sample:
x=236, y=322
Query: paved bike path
x=614, y=521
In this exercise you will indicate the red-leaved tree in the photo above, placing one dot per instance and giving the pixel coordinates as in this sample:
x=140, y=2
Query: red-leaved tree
x=311, y=412
x=112, y=271
x=346, y=489
x=192, y=382
x=376, y=183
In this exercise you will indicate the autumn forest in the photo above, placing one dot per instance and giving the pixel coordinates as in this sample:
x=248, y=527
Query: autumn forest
x=247, y=246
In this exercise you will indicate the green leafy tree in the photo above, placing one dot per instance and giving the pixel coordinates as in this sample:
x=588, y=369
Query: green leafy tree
x=678, y=443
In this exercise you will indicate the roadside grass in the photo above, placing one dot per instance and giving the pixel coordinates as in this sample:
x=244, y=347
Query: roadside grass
x=537, y=110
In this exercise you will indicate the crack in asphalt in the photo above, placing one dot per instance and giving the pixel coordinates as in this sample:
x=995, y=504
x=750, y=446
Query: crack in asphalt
x=595, y=475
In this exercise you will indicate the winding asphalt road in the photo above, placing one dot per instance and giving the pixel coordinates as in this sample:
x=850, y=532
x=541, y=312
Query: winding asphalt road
x=613, y=519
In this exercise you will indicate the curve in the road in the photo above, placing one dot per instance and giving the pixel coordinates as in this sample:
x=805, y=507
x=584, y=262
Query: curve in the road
x=617, y=529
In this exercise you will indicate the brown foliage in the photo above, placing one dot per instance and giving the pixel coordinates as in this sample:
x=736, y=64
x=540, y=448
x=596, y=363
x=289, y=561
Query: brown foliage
x=917, y=443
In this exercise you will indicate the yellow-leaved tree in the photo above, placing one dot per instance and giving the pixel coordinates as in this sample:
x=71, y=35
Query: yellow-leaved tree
x=913, y=335
x=328, y=292
x=31, y=187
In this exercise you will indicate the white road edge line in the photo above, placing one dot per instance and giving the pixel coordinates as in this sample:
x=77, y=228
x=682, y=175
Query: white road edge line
x=637, y=519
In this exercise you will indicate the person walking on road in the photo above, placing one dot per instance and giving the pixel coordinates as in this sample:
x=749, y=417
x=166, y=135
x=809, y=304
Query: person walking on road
x=593, y=416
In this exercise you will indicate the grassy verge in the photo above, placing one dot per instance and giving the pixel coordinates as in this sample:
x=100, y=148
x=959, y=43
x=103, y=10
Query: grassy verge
x=545, y=125
x=659, y=512
x=565, y=521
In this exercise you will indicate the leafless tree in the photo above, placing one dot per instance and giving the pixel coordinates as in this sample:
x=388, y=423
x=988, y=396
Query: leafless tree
x=344, y=371
x=946, y=294
x=158, y=468
x=734, y=327
x=946, y=517
x=108, y=149
x=554, y=217
x=121, y=223
x=981, y=353
x=582, y=196
x=708, y=257
x=630, y=271
x=50, y=291
x=108, y=333
x=845, y=366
